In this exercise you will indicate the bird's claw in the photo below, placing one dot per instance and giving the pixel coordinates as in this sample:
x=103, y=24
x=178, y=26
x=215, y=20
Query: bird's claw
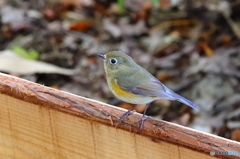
x=127, y=113
x=141, y=121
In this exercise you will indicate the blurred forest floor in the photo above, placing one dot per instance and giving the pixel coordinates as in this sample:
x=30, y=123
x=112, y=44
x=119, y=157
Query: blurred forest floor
x=190, y=46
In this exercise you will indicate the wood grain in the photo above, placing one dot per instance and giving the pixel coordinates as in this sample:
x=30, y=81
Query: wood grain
x=29, y=131
x=40, y=122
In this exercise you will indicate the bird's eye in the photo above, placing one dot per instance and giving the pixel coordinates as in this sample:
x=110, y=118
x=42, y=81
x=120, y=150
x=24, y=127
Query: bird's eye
x=113, y=61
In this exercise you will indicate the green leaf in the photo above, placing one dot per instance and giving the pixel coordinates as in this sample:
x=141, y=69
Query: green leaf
x=20, y=51
x=121, y=5
x=155, y=3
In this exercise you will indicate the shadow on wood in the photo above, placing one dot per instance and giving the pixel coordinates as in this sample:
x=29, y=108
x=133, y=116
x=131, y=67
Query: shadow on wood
x=40, y=122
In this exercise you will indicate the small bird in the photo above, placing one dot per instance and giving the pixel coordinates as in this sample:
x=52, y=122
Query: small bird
x=133, y=84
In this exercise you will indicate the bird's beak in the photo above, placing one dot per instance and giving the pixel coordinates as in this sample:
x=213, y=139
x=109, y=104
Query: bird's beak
x=102, y=56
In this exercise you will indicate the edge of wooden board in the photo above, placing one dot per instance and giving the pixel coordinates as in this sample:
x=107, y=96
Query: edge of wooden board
x=89, y=109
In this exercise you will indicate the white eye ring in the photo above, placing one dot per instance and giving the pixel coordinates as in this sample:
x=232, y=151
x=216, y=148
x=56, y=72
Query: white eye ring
x=113, y=61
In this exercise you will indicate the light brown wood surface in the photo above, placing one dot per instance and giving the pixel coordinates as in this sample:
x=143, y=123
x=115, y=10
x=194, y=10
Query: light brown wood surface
x=44, y=123
x=30, y=131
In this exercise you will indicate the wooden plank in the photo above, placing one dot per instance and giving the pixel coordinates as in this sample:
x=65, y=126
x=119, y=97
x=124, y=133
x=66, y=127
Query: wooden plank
x=40, y=122
x=30, y=131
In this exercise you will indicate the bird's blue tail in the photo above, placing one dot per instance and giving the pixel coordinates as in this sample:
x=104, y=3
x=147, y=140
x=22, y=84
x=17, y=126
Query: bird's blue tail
x=180, y=98
x=187, y=102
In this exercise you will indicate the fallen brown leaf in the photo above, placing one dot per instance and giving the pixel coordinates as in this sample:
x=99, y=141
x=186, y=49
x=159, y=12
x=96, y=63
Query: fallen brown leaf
x=235, y=135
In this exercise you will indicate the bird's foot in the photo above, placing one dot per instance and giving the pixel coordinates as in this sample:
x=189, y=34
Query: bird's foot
x=126, y=114
x=141, y=121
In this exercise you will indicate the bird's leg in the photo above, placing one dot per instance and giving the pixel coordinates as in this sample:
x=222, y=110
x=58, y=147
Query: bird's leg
x=127, y=113
x=144, y=117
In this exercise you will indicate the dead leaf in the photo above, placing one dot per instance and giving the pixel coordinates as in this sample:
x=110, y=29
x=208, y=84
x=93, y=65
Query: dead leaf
x=140, y=108
x=164, y=77
x=125, y=105
x=235, y=135
x=13, y=16
x=206, y=49
x=81, y=25
x=49, y=14
x=11, y=63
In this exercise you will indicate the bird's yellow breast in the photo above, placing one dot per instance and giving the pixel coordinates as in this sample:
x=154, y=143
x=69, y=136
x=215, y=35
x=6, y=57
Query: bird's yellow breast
x=119, y=91
x=127, y=96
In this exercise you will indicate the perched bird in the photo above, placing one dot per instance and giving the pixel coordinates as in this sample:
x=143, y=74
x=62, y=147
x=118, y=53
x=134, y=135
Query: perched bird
x=133, y=84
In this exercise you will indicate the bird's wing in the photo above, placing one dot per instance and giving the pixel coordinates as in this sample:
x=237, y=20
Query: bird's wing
x=147, y=85
x=144, y=86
